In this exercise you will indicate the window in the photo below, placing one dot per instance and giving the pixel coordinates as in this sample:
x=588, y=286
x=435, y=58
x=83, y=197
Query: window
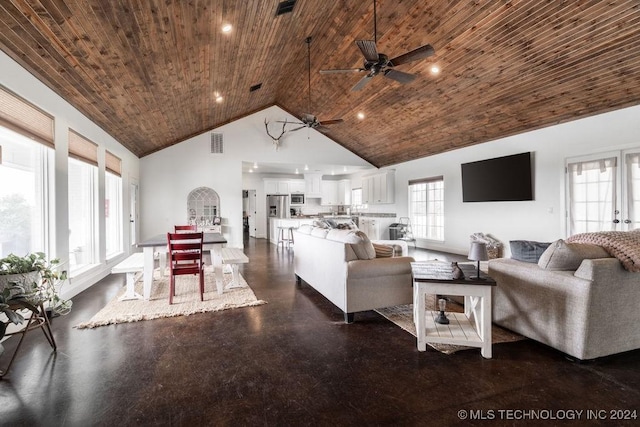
x=356, y=198
x=23, y=194
x=26, y=142
x=604, y=192
x=592, y=195
x=426, y=208
x=632, y=219
x=82, y=203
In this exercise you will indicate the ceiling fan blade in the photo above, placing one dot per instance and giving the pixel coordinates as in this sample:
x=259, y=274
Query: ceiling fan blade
x=368, y=49
x=362, y=83
x=419, y=53
x=343, y=70
x=290, y=123
x=298, y=128
x=399, y=76
x=330, y=122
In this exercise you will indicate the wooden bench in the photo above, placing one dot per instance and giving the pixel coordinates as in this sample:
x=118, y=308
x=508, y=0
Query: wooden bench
x=233, y=257
x=133, y=266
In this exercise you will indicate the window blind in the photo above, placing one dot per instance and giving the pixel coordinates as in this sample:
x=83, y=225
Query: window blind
x=426, y=180
x=113, y=163
x=82, y=149
x=23, y=117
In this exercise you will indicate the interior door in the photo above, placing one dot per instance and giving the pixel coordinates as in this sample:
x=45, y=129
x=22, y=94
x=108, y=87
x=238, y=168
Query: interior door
x=251, y=213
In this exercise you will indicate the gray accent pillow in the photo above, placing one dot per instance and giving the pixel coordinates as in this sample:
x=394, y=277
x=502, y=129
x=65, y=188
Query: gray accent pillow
x=561, y=255
x=527, y=250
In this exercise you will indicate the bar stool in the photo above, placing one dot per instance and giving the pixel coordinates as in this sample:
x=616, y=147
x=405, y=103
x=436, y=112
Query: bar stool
x=285, y=236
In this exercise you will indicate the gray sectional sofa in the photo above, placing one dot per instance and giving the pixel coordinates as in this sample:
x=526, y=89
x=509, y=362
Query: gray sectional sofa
x=576, y=299
x=342, y=265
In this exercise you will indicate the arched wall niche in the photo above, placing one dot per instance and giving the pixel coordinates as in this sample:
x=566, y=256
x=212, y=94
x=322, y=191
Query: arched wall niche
x=203, y=206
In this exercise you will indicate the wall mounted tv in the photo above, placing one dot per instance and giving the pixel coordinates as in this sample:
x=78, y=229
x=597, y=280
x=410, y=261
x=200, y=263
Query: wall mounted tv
x=496, y=180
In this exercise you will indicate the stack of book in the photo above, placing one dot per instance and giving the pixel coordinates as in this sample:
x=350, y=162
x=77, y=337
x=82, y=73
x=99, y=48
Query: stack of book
x=439, y=270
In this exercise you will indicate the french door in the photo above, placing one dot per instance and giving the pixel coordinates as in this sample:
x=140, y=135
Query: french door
x=603, y=192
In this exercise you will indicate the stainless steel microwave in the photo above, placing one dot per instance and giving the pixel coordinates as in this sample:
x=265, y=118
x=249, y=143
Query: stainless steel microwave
x=297, y=199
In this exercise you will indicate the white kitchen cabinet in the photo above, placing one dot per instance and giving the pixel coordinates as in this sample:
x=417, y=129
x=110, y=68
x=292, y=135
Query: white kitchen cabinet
x=379, y=188
x=277, y=186
x=329, y=193
x=370, y=227
x=271, y=187
x=376, y=228
x=344, y=192
x=296, y=186
x=313, y=184
x=283, y=187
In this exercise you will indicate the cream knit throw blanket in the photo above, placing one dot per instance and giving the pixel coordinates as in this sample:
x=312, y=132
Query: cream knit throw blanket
x=624, y=245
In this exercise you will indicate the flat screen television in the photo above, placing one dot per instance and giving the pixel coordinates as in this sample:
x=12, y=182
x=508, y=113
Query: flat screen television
x=501, y=179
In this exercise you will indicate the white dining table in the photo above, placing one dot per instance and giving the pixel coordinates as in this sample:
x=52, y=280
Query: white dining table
x=211, y=241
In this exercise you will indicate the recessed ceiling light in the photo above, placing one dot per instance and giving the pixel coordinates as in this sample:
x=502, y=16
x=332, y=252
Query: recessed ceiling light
x=297, y=171
x=250, y=170
x=361, y=115
x=219, y=99
x=255, y=165
x=226, y=28
x=306, y=167
x=435, y=70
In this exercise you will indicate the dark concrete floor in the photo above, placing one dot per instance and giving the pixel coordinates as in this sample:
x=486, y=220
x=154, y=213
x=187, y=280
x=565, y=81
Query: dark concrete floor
x=294, y=361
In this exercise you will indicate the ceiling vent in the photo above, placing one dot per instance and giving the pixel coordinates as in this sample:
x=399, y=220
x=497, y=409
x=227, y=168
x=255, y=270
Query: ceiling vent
x=285, y=7
x=255, y=87
x=217, y=144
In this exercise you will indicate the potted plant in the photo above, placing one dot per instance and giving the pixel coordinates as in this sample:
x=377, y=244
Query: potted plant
x=28, y=282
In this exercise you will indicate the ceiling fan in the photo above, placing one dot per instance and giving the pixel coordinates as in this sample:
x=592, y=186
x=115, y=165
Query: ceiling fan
x=308, y=120
x=378, y=63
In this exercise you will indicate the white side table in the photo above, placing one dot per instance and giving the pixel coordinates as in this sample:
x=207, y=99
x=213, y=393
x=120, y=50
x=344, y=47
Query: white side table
x=471, y=328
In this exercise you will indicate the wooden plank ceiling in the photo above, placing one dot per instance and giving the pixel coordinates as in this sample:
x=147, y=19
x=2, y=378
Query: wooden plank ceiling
x=147, y=71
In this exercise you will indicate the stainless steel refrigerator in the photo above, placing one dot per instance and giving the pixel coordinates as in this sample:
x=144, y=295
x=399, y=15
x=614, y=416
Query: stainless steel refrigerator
x=277, y=207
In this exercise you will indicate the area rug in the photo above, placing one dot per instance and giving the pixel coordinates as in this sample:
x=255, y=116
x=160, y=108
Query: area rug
x=402, y=315
x=185, y=302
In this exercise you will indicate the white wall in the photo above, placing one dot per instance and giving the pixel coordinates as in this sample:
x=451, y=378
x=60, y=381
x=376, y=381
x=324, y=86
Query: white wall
x=21, y=82
x=542, y=219
x=168, y=176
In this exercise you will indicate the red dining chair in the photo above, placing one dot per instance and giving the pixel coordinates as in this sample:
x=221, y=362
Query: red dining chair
x=187, y=228
x=185, y=247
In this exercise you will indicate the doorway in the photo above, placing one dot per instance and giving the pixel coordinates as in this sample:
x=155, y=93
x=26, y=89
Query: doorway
x=249, y=212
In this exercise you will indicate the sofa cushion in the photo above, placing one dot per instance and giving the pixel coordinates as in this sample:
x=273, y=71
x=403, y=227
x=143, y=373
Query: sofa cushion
x=527, y=250
x=319, y=232
x=383, y=251
x=359, y=242
x=305, y=229
x=561, y=255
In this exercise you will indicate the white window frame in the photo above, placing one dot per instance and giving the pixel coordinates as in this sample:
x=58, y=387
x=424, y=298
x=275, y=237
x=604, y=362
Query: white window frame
x=113, y=210
x=90, y=250
x=43, y=156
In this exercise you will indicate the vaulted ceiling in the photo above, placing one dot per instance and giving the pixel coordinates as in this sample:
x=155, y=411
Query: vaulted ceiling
x=148, y=71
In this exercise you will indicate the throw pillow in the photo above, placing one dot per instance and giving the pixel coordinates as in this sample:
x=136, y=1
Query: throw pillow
x=527, y=250
x=383, y=251
x=319, y=232
x=320, y=223
x=561, y=255
x=305, y=229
